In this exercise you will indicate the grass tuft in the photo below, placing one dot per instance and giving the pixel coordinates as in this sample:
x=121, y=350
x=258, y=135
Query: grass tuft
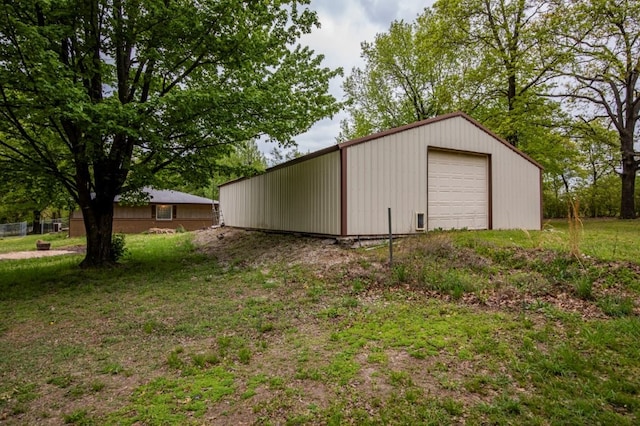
x=78, y=417
x=617, y=306
x=452, y=282
x=60, y=381
x=400, y=273
x=584, y=287
x=174, y=361
x=112, y=368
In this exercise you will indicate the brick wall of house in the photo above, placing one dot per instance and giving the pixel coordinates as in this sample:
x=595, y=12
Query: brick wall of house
x=137, y=226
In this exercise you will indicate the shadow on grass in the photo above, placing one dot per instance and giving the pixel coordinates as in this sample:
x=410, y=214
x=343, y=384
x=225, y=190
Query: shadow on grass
x=147, y=265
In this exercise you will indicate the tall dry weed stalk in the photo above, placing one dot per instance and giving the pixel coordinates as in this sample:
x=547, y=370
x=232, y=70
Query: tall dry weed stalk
x=575, y=228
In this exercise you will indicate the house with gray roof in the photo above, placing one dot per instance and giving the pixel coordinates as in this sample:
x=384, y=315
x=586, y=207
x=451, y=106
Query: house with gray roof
x=164, y=209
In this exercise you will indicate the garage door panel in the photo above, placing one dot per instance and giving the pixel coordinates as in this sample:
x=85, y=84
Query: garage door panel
x=458, y=191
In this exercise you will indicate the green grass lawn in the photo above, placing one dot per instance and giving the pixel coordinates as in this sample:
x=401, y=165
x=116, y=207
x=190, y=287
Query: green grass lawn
x=28, y=243
x=606, y=239
x=497, y=327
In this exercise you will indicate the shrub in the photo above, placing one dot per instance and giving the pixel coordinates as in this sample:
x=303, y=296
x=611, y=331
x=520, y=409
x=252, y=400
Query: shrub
x=118, y=247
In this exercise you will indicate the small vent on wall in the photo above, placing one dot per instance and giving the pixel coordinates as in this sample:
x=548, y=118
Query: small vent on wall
x=419, y=221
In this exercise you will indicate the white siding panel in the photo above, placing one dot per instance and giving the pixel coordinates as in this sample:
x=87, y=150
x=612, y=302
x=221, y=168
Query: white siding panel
x=303, y=197
x=516, y=194
x=381, y=174
x=391, y=171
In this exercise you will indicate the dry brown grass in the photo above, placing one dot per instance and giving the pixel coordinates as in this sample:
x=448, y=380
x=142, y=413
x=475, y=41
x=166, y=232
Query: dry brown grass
x=576, y=228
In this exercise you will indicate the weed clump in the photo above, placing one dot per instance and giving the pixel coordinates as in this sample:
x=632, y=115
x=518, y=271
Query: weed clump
x=400, y=273
x=616, y=306
x=174, y=360
x=204, y=360
x=584, y=287
x=434, y=263
x=437, y=246
x=448, y=281
x=77, y=417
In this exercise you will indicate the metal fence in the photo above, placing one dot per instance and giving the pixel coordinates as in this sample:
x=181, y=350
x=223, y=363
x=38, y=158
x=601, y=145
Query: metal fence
x=54, y=225
x=46, y=226
x=13, y=229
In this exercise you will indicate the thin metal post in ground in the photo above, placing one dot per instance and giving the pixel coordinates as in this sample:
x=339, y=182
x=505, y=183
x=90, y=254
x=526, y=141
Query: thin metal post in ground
x=390, y=242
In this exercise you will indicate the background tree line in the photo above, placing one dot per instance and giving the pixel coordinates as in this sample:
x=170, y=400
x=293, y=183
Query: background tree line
x=557, y=79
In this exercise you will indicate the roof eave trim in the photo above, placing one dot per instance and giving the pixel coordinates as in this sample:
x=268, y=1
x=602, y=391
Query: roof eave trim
x=435, y=120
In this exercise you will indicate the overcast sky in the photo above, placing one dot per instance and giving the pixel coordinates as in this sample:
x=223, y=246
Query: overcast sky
x=344, y=25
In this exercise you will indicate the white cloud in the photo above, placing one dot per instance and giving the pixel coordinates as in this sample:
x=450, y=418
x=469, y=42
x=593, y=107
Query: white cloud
x=344, y=25
x=379, y=11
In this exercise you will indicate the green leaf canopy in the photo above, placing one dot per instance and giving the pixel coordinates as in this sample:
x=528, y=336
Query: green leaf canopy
x=103, y=95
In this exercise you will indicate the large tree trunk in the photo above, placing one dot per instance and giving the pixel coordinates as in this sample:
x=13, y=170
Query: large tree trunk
x=512, y=136
x=628, y=176
x=37, y=228
x=98, y=222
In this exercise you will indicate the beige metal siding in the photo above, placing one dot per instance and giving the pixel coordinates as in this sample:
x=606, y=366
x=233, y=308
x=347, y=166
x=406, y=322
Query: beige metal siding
x=302, y=197
x=123, y=212
x=516, y=193
x=385, y=173
x=185, y=211
x=392, y=172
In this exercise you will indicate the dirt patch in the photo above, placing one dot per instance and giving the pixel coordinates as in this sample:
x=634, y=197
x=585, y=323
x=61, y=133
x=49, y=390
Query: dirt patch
x=17, y=255
x=255, y=248
x=329, y=257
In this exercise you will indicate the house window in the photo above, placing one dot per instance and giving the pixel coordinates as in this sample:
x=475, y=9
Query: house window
x=419, y=221
x=164, y=212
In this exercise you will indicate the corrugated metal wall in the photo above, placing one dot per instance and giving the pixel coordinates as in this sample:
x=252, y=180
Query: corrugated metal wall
x=392, y=172
x=303, y=197
x=389, y=171
x=382, y=173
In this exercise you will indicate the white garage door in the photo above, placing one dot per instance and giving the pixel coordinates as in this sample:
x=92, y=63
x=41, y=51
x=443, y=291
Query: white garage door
x=458, y=191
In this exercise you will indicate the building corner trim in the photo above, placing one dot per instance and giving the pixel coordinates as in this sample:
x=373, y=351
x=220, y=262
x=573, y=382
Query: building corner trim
x=343, y=192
